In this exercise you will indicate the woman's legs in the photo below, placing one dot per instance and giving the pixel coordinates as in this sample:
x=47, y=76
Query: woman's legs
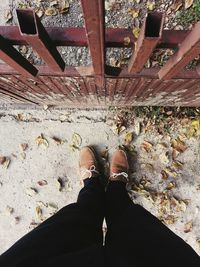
x=137, y=238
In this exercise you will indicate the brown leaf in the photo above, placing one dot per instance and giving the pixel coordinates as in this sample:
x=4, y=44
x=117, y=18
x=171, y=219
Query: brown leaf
x=24, y=147
x=179, y=145
x=188, y=227
x=6, y=163
x=164, y=175
x=171, y=185
x=147, y=146
x=188, y=3
x=31, y=191
x=176, y=5
x=57, y=140
x=2, y=160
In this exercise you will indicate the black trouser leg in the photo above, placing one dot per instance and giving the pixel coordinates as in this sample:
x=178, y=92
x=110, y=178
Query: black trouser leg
x=137, y=238
x=72, y=231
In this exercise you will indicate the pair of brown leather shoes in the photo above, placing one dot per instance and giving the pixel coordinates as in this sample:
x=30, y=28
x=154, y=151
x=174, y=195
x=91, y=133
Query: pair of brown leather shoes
x=89, y=166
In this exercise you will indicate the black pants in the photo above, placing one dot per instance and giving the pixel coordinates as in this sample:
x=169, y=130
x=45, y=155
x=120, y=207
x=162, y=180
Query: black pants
x=73, y=237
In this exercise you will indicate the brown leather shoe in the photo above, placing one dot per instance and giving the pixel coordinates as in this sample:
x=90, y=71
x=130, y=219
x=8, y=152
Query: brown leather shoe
x=119, y=166
x=88, y=165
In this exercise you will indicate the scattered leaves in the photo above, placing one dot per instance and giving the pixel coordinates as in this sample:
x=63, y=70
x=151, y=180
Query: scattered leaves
x=188, y=227
x=188, y=3
x=41, y=141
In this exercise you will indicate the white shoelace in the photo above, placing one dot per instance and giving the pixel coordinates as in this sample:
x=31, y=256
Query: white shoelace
x=115, y=175
x=89, y=171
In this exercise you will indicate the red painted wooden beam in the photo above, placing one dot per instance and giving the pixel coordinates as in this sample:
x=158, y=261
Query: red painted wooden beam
x=148, y=39
x=188, y=50
x=35, y=35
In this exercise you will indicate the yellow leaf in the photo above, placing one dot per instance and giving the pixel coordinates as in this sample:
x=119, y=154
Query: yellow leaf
x=127, y=41
x=128, y=138
x=188, y=3
x=136, y=32
x=195, y=125
x=76, y=142
x=133, y=12
x=39, y=212
x=151, y=5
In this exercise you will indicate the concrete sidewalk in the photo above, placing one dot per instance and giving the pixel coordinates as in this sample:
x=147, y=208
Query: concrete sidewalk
x=43, y=178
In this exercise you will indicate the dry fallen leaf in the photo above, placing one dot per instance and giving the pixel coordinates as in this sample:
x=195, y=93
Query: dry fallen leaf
x=170, y=172
x=8, y=15
x=41, y=141
x=136, y=33
x=188, y=3
x=188, y=227
x=53, y=3
x=133, y=12
x=128, y=138
x=6, y=163
x=176, y=6
x=165, y=176
x=147, y=146
x=31, y=191
x=39, y=12
x=63, y=6
x=179, y=145
x=57, y=140
x=2, y=160
x=76, y=142
x=16, y=220
x=9, y=210
x=38, y=212
x=171, y=185
x=151, y=5
x=24, y=147
x=51, y=11
x=60, y=184
x=177, y=165
x=104, y=154
x=127, y=40
x=52, y=205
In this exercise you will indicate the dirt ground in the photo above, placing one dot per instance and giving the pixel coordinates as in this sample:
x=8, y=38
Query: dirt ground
x=38, y=172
